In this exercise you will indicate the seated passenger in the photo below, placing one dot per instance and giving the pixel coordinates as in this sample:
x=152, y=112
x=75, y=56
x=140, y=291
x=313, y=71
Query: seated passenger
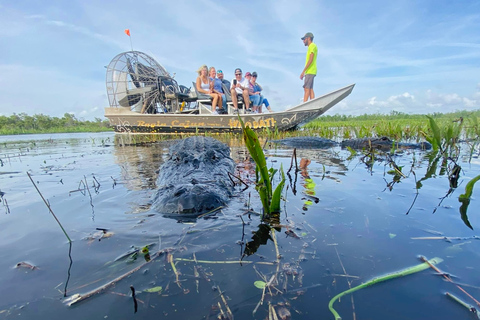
x=257, y=90
x=205, y=86
x=217, y=87
x=239, y=87
x=254, y=97
x=224, y=81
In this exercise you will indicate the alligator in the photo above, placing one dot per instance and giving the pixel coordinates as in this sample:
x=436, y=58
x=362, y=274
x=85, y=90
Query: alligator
x=381, y=143
x=195, y=178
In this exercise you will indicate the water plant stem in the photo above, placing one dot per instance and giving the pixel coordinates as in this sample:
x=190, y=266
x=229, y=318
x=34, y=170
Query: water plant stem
x=225, y=262
x=463, y=303
x=49, y=208
x=389, y=276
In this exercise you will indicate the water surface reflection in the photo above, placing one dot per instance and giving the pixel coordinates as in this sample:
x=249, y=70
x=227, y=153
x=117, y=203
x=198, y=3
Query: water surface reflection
x=341, y=225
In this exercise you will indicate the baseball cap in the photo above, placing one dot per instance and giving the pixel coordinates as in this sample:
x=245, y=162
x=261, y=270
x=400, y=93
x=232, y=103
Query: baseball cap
x=254, y=74
x=219, y=71
x=247, y=74
x=238, y=70
x=309, y=35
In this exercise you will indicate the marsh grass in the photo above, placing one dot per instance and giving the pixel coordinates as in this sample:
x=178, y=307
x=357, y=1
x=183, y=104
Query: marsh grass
x=396, y=126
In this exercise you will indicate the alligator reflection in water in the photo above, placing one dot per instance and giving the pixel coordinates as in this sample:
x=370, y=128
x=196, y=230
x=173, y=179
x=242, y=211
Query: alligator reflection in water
x=140, y=164
x=195, y=178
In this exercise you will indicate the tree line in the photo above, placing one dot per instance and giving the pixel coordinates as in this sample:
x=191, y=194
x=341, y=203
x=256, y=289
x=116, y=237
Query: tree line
x=39, y=123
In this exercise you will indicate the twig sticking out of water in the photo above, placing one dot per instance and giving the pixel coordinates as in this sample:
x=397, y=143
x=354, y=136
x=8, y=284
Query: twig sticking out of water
x=294, y=156
x=238, y=178
x=135, y=304
x=49, y=208
x=348, y=281
x=88, y=189
x=96, y=184
x=416, y=195
x=447, y=277
x=5, y=203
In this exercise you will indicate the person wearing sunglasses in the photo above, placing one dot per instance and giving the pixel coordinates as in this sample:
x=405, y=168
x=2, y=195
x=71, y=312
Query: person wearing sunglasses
x=257, y=91
x=240, y=87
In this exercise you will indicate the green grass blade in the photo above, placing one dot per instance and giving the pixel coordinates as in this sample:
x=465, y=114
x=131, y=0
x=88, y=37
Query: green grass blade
x=390, y=276
x=277, y=194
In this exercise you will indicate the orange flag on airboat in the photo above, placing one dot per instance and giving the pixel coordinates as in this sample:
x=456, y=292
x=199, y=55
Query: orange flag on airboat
x=127, y=32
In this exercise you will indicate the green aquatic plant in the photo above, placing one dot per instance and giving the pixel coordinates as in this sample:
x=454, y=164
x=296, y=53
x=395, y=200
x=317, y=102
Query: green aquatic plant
x=390, y=276
x=464, y=199
x=270, y=198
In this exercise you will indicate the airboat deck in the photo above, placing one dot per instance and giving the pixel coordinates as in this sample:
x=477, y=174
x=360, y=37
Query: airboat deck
x=144, y=98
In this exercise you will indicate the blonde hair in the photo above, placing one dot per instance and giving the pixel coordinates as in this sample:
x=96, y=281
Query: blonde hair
x=209, y=70
x=201, y=68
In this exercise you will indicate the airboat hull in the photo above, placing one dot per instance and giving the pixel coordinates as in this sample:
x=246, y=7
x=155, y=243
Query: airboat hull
x=123, y=120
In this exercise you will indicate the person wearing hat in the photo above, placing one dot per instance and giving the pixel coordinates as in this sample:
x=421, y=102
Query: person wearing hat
x=239, y=87
x=254, y=97
x=310, y=70
x=224, y=81
x=257, y=91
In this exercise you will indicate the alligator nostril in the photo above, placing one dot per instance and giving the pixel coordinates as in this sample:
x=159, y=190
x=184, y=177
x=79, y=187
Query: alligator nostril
x=196, y=163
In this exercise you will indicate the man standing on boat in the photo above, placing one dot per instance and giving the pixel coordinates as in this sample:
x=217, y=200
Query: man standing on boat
x=310, y=70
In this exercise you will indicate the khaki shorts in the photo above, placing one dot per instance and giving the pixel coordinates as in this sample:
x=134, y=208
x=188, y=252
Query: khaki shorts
x=308, y=84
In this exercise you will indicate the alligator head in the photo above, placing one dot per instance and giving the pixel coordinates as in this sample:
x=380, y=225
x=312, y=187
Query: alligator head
x=195, y=178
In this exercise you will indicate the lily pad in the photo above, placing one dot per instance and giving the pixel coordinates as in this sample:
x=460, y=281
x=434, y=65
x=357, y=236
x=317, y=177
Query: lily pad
x=260, y=284
x=154, y=289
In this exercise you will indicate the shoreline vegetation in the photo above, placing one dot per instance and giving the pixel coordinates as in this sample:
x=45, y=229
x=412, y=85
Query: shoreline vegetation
x=23, y=123
x=395, y=125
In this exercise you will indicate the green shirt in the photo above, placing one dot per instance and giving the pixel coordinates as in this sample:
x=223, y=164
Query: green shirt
x=312, y=48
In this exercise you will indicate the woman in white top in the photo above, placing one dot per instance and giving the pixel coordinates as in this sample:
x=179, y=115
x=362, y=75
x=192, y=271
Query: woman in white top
x=205, y=86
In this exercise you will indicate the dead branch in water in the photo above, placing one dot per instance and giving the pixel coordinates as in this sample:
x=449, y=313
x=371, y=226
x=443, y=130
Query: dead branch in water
x=49, y=208
x=76, y=298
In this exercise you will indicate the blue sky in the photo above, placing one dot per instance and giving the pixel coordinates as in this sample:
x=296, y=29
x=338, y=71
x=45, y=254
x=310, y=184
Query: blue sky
x=410, y=56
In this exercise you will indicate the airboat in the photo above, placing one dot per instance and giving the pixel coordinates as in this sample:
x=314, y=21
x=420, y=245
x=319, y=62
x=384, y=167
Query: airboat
x=145, y=98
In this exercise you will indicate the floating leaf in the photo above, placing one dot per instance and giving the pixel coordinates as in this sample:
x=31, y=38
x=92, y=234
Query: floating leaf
x=154, y=289
x=260, y=284
x=392, y=235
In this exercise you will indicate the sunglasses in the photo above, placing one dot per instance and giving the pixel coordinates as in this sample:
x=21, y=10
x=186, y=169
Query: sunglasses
x=238, y=74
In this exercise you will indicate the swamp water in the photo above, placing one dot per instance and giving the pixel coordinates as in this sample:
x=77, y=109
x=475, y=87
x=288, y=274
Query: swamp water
x=345, y=224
